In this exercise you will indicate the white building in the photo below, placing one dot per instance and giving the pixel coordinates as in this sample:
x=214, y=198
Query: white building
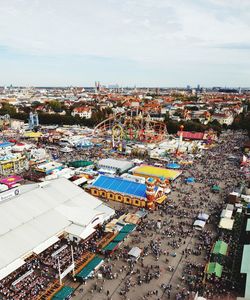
x=110, y=165
x=34, y=216
x=82, y=112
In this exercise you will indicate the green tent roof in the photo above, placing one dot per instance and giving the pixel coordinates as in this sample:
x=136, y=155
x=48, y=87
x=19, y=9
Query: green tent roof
x=80, y=163
x=220, y=247
x=128, y=228
x=111, y=246
x=216, y=188
x=248, y=225
x=63, y=293
x=245, y=268
x=245, y=265
x=120, y=236
x=87, y=270
x=214, y=268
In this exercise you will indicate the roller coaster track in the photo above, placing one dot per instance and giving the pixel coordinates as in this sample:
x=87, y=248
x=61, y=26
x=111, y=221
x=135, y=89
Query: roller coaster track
x=157, y=128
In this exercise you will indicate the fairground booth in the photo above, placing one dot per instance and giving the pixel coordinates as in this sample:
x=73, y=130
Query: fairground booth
x=156, y=172
x=129, y=192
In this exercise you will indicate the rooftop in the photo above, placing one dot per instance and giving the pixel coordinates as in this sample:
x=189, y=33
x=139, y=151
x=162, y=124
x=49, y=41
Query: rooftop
x=121, y=185
x=158, y=172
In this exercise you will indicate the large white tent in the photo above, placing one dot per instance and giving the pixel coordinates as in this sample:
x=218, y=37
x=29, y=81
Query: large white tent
x=37, y=214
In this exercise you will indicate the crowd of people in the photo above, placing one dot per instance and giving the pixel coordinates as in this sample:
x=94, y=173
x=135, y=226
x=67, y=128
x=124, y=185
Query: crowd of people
x=41, y=270
x=175, y=255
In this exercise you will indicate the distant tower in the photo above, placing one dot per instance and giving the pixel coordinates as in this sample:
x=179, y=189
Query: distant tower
x=180, y=139
x=150, y=192
x=33, y=120
x=181, y=134
x=97, y=86
x=163, y=183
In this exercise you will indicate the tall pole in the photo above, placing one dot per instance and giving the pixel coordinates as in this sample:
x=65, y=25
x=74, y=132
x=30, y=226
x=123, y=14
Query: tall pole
x=180, y=139
x=73, y=262
x=59, y=270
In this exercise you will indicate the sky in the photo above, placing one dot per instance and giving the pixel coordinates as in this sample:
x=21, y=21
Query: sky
x=158, y=43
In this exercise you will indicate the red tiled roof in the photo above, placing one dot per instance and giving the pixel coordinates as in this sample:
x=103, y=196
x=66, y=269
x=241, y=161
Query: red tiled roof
x=81, y=109
x=192, y=135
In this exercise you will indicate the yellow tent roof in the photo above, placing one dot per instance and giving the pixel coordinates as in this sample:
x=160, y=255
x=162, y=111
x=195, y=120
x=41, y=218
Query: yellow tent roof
x=31, y=134
x=157, y=172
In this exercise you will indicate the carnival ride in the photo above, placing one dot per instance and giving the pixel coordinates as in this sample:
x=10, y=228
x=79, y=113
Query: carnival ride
x=126, y=127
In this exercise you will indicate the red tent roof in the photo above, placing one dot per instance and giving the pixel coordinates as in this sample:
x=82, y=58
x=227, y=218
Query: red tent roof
x=192, y=135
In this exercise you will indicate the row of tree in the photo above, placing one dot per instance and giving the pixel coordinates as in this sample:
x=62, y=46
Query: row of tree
x=242, y=121
x=47, y=119
x=174, y=126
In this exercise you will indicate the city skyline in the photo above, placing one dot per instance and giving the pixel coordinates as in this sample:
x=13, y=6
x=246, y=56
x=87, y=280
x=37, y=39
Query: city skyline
x=142, y=43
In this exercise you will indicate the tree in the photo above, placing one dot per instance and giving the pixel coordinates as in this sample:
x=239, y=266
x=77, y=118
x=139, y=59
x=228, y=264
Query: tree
x=55, y=105
x=8, y=109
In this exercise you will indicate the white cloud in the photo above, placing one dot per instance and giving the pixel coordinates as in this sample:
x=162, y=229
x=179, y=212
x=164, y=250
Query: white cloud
x=159, y=32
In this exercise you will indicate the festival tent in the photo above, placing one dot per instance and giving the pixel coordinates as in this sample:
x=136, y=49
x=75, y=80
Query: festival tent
x=111, y=246
x=202, y=216
x=220, y=247
x=173, y=166
x=245, y=269
x=84, y=143
x=32, y=135
x=226, y=214
x=128, y=228
x=190, y=180
x=214, y=268
x=230, y=207
x=199, y=224
x=135, y=252
x=87, y=271
x=226, y=223
x=40, y=212
x=248, y=225
x=120, y=236
x=64, y=293
x=216, y=188
x=80, y=163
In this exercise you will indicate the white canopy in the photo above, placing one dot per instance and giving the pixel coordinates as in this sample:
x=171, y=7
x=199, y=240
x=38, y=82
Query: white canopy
x=11, y=267
x=80, y=181
x=202, y=216
x=30, y=220
x=226, y=223
x=199, y=223
x=135, y=252
x=39, y=249
x=79, y=231
x=226, y=214
x=230, y=207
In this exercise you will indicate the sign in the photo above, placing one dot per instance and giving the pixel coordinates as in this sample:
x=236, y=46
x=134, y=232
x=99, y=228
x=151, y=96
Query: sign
x=67, y=271
x=9, y=194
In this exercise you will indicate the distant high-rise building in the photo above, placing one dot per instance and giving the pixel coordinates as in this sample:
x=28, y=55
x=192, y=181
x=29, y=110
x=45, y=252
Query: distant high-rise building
x=97, y=86
x=33, y=120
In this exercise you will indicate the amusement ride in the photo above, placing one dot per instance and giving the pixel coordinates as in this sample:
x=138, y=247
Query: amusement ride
x=128, y=127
